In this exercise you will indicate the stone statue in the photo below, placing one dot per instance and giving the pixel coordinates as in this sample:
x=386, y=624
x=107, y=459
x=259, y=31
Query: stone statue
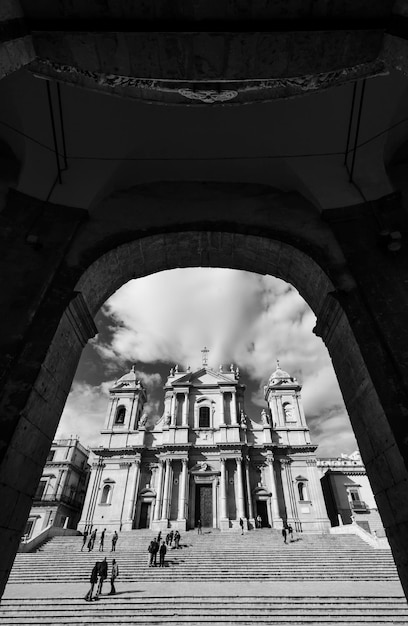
x=188, y=369
x=237, y=372
x=243, y=419
x=220, y=369
x=176, y=369
x=143, y=420
x=232, y=368
x=288, y=409
x=264, y=417
x=172, y=372
x=167, y=419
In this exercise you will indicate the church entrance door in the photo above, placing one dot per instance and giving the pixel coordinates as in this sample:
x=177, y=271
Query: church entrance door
x=203, y=505
x=262, y=510
x=144, y=521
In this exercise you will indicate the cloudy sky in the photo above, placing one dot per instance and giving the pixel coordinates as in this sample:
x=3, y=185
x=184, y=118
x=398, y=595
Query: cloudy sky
x=243, y=318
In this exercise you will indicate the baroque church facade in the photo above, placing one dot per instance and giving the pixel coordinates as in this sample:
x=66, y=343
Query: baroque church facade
x=205, y=459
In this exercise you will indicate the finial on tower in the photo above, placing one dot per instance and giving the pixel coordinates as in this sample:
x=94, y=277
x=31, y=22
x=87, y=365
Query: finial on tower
x=277, y=364
x=133, y=368
x=205, y=352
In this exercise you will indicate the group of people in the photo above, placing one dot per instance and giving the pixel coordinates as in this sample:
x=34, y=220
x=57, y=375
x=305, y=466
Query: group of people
x=287, y=531
x=173, y=536
x=90, y=543
x=98, y=576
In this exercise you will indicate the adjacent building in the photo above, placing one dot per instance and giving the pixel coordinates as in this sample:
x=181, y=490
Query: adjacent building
x=60, y=494
x=204, y=458
x=347, y=493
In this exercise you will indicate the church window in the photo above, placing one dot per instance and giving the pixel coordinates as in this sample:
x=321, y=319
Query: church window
x=120, y=415
x=106, y=497
x=204, y=417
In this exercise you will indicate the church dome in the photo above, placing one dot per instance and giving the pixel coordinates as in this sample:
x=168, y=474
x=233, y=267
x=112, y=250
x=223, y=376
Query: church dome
x=279, y=376
x=128, y=380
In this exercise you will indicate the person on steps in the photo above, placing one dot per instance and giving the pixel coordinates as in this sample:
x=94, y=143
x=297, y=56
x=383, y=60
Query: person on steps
x=290, y=532
x=114, y=575
x=84, y=538
x=93, y=580
x=114, y=540
x=284, y=534
x=177, y=538
x=101, y=540
x=102, y=574
x=241, y=523
x=199, y=528
x=162, y=553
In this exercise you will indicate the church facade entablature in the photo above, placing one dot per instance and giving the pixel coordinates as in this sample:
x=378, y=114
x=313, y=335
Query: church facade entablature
x=205, y=458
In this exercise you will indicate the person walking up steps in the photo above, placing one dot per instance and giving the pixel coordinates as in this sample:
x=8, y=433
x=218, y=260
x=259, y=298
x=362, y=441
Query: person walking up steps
x=177, y=538
x=93, y=539
x=84, y=538
x=199, y=528
x=241, y=523
x=284, y=533
x=114, y=575
x=290, y=533
x=93, y=580
x=114, y=541
x=101, y=540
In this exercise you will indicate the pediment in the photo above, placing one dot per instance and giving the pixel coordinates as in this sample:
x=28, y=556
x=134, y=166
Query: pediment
x=204, y=377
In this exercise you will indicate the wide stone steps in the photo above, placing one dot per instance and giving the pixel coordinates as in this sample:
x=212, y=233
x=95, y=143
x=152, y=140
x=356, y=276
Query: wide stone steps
x=217, y=557
x=215, y=611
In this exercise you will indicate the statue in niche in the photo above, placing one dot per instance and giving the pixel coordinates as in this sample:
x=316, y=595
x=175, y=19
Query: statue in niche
x=167, y=419
x=288, y=410
x=264, y=417
x=243, y=419
x=143, y=420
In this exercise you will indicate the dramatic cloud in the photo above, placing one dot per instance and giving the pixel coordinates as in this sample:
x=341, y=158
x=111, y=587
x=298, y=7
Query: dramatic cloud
x=243, y=318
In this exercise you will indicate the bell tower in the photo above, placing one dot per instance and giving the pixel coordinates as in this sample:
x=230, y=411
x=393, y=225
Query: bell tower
x=282, y=393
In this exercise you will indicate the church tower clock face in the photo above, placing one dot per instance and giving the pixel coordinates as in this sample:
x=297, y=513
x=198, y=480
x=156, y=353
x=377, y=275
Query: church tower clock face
x=204, y=461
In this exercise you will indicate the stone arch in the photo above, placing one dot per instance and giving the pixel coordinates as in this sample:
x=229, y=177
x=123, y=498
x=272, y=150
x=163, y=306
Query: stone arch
x=319, y=275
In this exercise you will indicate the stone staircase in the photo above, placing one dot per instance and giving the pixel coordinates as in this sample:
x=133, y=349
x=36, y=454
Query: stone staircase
x=214, y=556
x=210, y=580
x=197, y=610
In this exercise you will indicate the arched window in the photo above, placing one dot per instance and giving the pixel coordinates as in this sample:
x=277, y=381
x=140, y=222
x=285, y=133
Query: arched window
x=106, y=494
x=204, y=417
x=120, y=415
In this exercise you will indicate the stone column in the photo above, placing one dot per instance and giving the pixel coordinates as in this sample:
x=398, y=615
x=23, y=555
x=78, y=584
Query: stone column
x=157, y=508
x=274, y=498
x=240, y=490
x=222, y=413
x=58, y=483
x=234, y=408
x=166, y=490
x=185, y=409
x=181, y=515
x=223, y=491
x=134, y=488
x=248, y=488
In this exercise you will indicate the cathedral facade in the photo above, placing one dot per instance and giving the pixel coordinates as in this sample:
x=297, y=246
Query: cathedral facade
x=205, y=459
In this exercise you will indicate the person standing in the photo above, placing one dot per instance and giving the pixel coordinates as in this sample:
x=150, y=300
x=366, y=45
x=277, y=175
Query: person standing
x=93, y=580
x=101, y=540
x=199, y=528
x=241, y=523
x=259, y=521
x=93, y=538
x=103, y=574
x=155, y=549
x=114, y=540
x=151, y=555
x=171, y=537
x=84, y=538
x=177, y=538
x=162, y=553
x=284, y=533
x=114, y=575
